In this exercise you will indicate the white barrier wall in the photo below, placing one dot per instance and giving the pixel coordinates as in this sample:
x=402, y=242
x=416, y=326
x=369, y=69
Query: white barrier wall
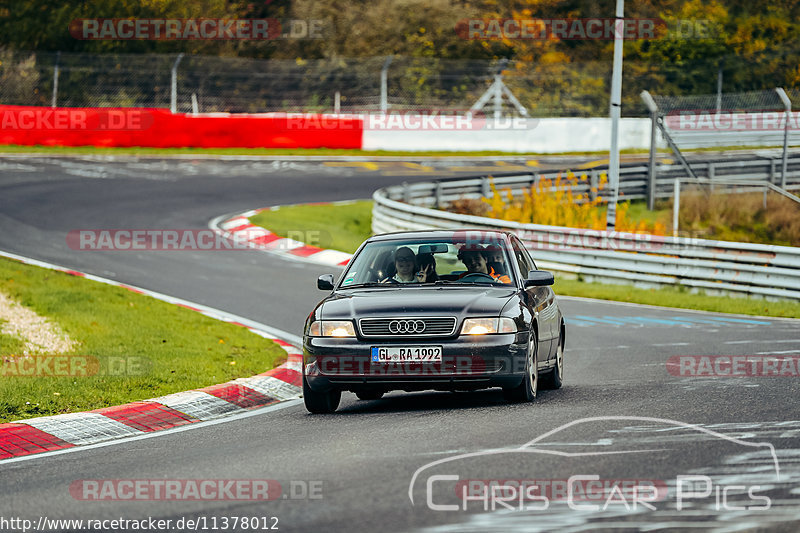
x=546, y=135
x=698, y=130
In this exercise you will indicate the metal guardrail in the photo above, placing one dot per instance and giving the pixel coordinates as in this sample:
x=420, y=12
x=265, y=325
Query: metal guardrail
x=632, y=181
x=617, y=257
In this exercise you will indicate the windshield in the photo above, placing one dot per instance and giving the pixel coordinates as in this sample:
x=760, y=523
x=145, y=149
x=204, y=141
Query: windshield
x=429, y=261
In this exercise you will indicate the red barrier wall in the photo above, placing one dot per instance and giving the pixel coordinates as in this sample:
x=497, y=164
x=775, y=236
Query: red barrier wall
x=161, y=129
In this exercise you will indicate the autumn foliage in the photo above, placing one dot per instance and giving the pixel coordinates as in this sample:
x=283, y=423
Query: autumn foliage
x=553, y=202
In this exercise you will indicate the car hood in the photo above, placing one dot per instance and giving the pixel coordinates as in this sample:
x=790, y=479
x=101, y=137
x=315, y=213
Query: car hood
x=422, y=301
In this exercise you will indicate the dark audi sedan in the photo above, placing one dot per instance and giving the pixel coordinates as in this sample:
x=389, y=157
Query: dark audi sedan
x=441, y=310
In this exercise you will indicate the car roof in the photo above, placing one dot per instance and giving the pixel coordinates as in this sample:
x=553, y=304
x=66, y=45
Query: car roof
x=432, y=234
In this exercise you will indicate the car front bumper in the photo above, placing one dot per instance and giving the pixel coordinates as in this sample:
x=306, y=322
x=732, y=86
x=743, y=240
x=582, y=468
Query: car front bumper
x=468, y=362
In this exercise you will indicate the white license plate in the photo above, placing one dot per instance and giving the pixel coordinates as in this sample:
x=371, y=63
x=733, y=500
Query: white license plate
x=406, y=354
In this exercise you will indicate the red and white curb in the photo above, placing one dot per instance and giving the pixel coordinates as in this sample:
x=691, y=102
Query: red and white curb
x=240, y=229
x=50, y=433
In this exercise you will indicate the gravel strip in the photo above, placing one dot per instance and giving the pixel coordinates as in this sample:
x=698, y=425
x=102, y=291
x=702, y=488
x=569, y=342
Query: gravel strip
x=41, y=336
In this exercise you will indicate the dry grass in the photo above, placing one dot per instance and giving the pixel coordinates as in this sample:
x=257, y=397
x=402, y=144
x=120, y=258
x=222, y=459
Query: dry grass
x=740, y=217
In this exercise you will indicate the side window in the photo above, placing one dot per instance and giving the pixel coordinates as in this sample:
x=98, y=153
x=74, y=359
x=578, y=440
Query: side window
x=524, y=260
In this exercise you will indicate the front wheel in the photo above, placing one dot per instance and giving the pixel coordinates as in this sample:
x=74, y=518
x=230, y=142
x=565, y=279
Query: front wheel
x=528, y=389
x=320, y=402
x=555, y=378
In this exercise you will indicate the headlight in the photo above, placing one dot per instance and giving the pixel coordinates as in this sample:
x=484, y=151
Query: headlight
x=331, y=328
x=484, y=326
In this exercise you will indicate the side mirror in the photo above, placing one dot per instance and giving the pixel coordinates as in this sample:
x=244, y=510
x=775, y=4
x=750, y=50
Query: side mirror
x=539, y=278
x=325, y=282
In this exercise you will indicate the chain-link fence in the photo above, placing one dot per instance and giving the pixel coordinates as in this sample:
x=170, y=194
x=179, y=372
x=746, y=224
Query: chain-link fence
x=233, y=84
x=750, y=118
x=743, y=102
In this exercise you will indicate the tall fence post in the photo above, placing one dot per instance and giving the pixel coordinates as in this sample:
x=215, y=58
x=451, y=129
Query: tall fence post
x=651, y=168
x=385, y=85
x=788, y=105
x=173, y=100
x=56, y=71
x=615, y=110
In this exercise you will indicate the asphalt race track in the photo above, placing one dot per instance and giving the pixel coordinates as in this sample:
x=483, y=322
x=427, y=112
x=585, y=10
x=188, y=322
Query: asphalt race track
x=621, y=415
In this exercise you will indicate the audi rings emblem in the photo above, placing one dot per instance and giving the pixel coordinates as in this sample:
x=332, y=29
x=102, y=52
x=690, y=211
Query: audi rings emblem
x=406, y=326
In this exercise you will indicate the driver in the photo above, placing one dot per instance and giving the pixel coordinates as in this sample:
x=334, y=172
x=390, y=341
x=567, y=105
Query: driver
x=474, y=258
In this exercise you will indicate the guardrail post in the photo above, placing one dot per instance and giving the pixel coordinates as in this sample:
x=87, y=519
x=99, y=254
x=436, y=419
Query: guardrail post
x=711, y=173
x=676, y=207
x=485, y=187
x=593, y=183
x=772, y=171
x=437, y=195
x=406, y=193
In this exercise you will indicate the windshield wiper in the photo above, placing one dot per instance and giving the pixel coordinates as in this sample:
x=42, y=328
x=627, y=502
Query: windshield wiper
x=368, y=284
x=459, y=282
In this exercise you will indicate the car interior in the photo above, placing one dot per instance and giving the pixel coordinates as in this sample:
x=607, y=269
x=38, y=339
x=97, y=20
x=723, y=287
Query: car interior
x=448, y=268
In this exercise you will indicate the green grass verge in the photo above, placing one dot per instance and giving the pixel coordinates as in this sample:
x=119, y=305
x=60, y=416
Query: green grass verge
x=9, y=344
x=165, y=348
x=349, y=225
x=139, y=150
x=676, y=297
x=336, y=226
x=142, y=151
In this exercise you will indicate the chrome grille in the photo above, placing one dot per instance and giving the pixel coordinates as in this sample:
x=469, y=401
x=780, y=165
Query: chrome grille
x=403, y=327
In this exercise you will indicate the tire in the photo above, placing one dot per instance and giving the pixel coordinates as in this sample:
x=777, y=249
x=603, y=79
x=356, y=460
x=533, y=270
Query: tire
x=370, y=395
x=320, y=403
x=555, y=378
x=529, y=388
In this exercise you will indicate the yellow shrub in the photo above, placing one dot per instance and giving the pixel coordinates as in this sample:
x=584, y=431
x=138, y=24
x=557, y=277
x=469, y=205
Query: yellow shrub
x=553, y=203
